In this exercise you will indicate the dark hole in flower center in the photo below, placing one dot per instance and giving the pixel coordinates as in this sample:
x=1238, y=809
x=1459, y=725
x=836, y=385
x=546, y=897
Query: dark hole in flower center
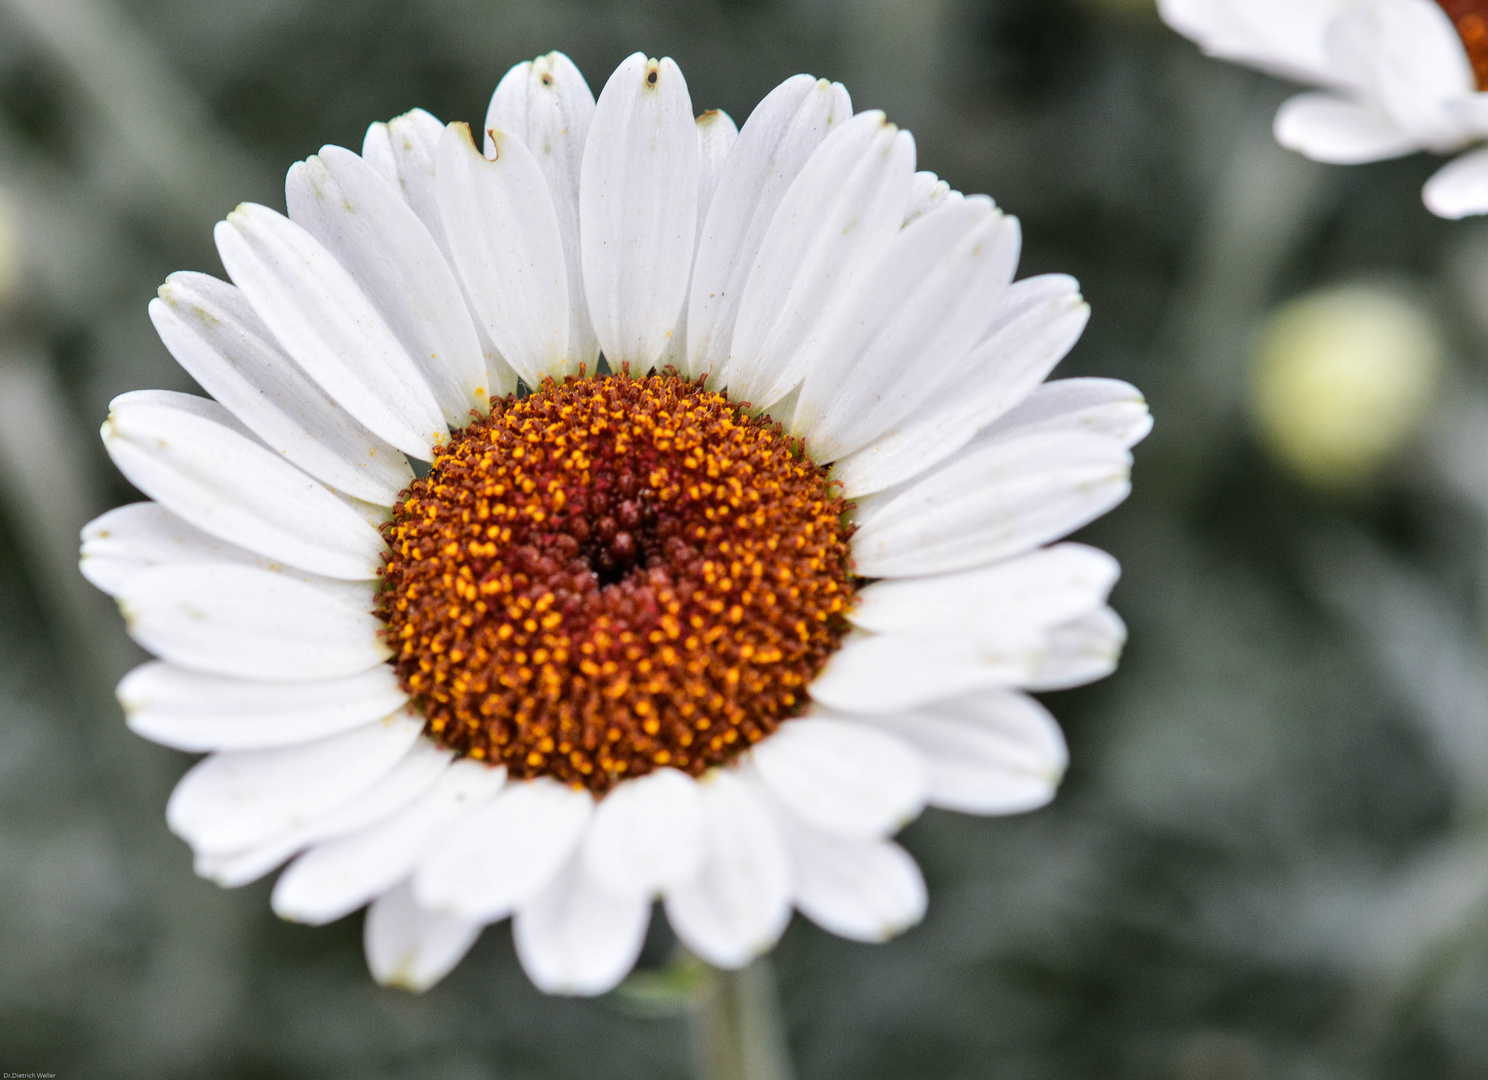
x=624, y=529
x=622, y=540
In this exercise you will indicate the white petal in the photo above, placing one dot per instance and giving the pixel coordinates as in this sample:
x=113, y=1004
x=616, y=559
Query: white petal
x=338, y=877
x=213, y=333
x=1037, y=591
x=839, y=215
x=716, y=137
x=131, y=539
x=361, y=219
x=775, y=143
x=995, y=752
x=192, y=404
x=832, y=777
x=576, y=938
x=1459, y=188
x=411, y=948
x=1003, y=499
x=994, y=631
x=193, y=711
x=325, y=322
x=506, y=853
x=866, y=890
x=647, y=834
x=414, y=774
x=1039, y=321
x=926, y=192
x=373, y=514
x=1031, y=296
x=1284, y=37
x=927, y=301
x=402, y=151
x=547, y=104
x=638, y=197
x=1329, y=128
x=231, y=801
x=251, y=623
x=1406, y=56
x=739, y=904
x=874, y=674
x=717, y=134
x=500, y=375
x=1471, y=112
x=141, y=536
x=504, y=239
x=377, y=151
x=1080, y=652
x=1106, y=407
x=233, y=487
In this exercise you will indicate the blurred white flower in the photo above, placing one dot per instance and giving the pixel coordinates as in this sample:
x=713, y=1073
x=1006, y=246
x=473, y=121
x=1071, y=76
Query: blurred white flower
x=1397, y=76
x=1342, y=379
x=629, y=639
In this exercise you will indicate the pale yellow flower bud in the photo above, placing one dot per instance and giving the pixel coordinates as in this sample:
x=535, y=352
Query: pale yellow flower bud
x=1342, y=379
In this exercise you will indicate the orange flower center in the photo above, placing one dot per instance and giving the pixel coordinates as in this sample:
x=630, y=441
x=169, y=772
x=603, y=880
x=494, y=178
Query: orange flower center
x=1471, y=19
x=612, y=575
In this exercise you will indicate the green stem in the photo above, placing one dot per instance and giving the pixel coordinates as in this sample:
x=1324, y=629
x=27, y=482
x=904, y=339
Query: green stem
x=737, y=1029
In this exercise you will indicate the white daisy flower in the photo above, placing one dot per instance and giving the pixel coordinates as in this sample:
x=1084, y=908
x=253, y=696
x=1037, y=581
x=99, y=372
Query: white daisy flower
x=710, y=629
x=1397, y=76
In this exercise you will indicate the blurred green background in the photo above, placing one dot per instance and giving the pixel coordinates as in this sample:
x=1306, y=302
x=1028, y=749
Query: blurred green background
x=1270, y=858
